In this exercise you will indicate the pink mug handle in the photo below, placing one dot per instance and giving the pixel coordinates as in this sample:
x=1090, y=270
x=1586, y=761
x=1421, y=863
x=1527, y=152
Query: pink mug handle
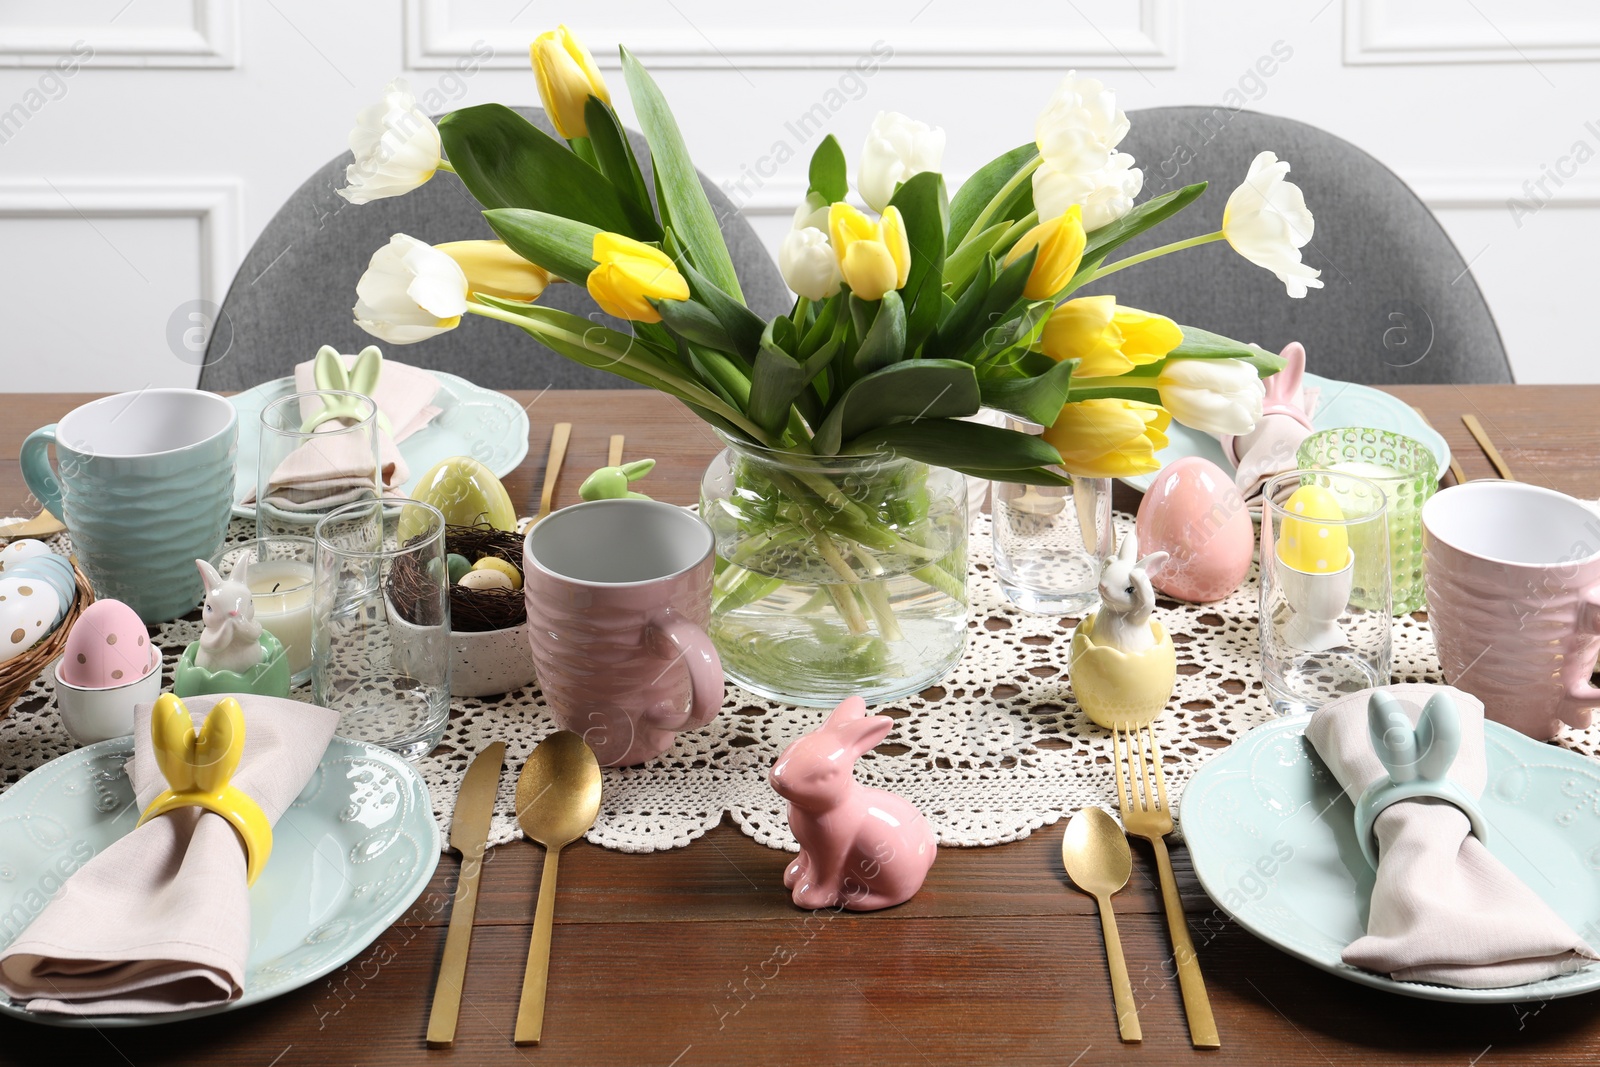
x=687, y=641
x=1582, y=697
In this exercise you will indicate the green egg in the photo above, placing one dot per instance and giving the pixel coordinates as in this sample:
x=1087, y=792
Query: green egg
x=459, y=565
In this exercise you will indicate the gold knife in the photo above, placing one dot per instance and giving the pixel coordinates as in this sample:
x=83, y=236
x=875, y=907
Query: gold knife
x=469, y=833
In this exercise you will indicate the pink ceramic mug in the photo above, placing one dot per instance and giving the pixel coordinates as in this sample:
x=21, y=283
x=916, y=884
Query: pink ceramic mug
x=619, y=596
x=1512, y=573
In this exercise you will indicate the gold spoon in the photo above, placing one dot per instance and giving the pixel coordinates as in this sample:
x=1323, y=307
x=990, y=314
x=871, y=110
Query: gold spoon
x=558, y=797
x=1095, y=852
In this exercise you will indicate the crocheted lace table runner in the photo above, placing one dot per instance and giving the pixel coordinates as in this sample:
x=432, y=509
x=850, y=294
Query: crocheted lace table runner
x=992, y=753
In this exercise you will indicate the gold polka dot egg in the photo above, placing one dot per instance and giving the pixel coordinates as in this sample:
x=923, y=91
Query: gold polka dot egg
x=29, y=612
x=108, y=646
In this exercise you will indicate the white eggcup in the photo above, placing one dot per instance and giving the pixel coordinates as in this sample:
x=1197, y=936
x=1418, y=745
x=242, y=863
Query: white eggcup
x=1316, y=600
x=92, y=715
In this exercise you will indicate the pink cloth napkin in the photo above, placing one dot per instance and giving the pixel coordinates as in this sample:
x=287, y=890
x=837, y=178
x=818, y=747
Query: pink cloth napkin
x=321, y=475
x=403, y=393
x=1443, y=909
x=160, y=920
x=1270, y=448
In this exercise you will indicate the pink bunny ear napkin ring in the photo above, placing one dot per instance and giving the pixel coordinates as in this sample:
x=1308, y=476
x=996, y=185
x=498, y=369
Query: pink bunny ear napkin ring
x=199, y=766
x=1417, y=762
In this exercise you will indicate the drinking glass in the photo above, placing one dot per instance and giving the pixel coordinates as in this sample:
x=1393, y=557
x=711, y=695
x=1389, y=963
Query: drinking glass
x=1408, y=474
x=280, y=577
x=1324, y=618
x=1049, y=542
x=381, y=623
x=301, y=477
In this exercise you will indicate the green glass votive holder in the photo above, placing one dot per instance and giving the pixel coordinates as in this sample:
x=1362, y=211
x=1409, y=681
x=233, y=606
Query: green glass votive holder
x=1406, y=471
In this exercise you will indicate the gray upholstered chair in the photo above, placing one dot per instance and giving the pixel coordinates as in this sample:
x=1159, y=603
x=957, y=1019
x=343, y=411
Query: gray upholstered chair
x=295, y=289
x=1398, y=304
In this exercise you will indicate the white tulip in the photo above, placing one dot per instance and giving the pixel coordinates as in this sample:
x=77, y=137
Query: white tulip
x=1213, y=395
x=897, y=148
x=410, y=292
x=1080, y=126
x=1267, y=222
x=396, y=147
x=808, y=264
x=1106, y=194
x=812, y=212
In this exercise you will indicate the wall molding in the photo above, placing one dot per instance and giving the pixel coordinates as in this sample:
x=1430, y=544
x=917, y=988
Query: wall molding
x=1492, y=190
x=213, y=202
x=1371, y=37
x=210, y=39
x=432, y=42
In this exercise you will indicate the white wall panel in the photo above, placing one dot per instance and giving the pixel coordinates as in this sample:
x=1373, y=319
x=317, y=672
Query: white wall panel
x=733, y=34
x=1486, y=107
x=120, y=33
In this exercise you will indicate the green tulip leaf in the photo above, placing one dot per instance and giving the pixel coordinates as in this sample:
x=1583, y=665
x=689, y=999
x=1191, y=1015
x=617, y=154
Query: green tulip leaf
x=1038, y=399
x=560, y=245
x=1099, y=243
x=505, y=161
x=678, y=190
x=1023, y=476
x=615, y=155
x=828, y=174
x=975, y=194
x=922, y=206
x=885, y=341
x=922, y=391
x=1202, y=344
x=742, y=326
x=970, y=446
x=693, y=321
x=780, y=380
x=964, y=262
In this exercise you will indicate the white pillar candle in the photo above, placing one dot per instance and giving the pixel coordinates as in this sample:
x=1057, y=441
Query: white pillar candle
x=281, y=591
x=1371, y=471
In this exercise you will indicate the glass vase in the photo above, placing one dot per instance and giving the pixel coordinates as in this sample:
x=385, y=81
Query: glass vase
x=836, y=576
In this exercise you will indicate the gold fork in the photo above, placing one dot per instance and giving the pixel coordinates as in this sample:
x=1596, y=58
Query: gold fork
x=1145, y=814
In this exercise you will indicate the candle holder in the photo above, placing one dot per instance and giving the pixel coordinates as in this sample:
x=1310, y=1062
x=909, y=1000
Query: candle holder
x=1408, y=473
x=281, y=582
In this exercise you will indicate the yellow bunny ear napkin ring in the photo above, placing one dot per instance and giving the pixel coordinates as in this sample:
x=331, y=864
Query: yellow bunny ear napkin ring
x=199, y=766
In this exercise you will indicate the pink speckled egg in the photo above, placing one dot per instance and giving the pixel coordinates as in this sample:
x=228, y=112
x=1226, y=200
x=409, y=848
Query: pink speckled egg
x=108, y=646
x=1194, y=511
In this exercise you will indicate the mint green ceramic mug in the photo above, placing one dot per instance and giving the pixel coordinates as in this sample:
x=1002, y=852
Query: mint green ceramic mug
x=144, y=483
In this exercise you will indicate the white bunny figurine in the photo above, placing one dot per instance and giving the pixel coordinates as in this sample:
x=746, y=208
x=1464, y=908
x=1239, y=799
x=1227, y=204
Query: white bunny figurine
x=1127, y=598
x=232, y=638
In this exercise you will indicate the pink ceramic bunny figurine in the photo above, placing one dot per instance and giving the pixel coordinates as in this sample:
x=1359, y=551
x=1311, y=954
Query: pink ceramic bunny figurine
x=1285, y=422
x=232, y=638
x=860, y=848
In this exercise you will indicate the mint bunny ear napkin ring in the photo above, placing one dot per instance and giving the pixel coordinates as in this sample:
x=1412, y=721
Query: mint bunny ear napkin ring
x=160, y=920
x=404, y=394
x=1443, y=908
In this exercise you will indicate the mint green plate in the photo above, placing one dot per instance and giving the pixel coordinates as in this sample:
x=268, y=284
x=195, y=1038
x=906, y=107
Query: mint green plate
x=1340, y=404
x=1273, y=842
x=348, y=858
x=472, y=421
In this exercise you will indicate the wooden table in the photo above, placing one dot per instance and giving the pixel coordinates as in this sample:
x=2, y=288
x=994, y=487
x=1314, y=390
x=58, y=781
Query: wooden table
x=696, y=956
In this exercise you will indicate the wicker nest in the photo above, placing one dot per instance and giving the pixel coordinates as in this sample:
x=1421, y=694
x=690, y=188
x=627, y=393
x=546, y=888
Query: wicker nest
x=18, y=673
x=471, y=610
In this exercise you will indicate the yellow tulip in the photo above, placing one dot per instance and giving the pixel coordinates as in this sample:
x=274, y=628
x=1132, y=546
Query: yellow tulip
x=493, y=269
x=629, y=275
x=567, y=78
x=1105, y=338
x=1109, y=438
x=874, y=257
x=1060, y=243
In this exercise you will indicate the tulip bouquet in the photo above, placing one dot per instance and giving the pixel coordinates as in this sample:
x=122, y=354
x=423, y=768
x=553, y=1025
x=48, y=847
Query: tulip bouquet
x=909, y=317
